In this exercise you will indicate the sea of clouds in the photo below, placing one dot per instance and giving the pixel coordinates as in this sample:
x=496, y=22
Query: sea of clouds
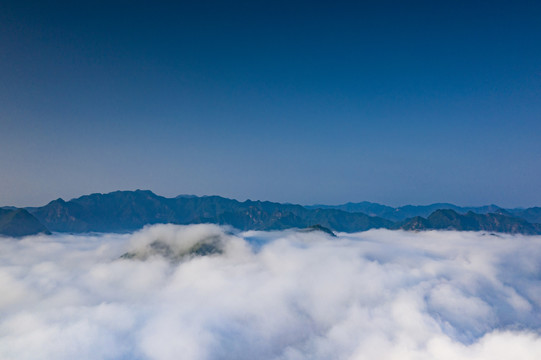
x=292, y=295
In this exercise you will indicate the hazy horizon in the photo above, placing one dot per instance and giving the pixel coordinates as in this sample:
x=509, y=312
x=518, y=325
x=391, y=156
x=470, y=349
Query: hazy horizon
x=283, y=202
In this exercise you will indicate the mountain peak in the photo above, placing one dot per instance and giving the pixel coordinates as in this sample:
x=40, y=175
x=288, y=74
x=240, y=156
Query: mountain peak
x=19, y=222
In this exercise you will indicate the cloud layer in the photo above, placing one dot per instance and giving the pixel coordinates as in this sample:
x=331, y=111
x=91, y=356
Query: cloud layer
x=271, y=295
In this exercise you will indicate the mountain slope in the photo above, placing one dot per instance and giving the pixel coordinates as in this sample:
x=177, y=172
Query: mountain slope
x=19, y=222
x=122, y=211
x=402, y=213
x=118, y=211
x=532, y=215
x=451, y=220
x=366, y=207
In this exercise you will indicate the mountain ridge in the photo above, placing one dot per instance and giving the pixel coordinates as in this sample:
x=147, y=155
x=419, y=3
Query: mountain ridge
x=408, y=211
x=447, y=219
x=126, y=211
x=130, y=210
x=19, y=223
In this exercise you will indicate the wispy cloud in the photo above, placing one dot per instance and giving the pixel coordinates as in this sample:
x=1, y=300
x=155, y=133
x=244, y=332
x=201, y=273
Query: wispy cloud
x=271, y=295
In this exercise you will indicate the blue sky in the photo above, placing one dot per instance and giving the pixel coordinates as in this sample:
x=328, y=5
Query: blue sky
x=304, y=102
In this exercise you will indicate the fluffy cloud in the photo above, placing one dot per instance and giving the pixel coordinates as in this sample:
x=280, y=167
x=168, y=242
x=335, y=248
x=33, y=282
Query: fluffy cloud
x=271, y=295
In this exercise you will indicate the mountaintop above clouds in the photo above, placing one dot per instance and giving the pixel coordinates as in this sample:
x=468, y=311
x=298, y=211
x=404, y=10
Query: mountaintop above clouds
x=19, y=222
x=126, y=211
x=400, y=213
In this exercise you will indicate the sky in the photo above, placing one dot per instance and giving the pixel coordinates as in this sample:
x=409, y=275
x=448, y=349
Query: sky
x=304, y=102
x=282, y=295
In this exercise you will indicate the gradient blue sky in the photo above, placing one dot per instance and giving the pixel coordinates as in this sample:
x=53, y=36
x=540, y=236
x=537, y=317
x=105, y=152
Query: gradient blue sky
x=307, y=102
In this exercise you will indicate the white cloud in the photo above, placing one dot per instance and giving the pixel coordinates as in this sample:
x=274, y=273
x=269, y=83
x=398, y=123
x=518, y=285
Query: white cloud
x=272, y=295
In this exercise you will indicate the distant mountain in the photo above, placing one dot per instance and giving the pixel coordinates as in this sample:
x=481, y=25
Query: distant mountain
x=19, y=222
x=366, y=207
x=451, y=220
x=532, y=215
x=119, y=211
x=125, y=211
x=409, y=211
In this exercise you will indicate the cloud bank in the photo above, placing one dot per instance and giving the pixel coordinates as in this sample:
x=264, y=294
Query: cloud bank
x=271, y=295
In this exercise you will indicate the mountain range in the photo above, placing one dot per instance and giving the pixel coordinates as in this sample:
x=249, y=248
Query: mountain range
x=408, y=211
x=125, y=211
